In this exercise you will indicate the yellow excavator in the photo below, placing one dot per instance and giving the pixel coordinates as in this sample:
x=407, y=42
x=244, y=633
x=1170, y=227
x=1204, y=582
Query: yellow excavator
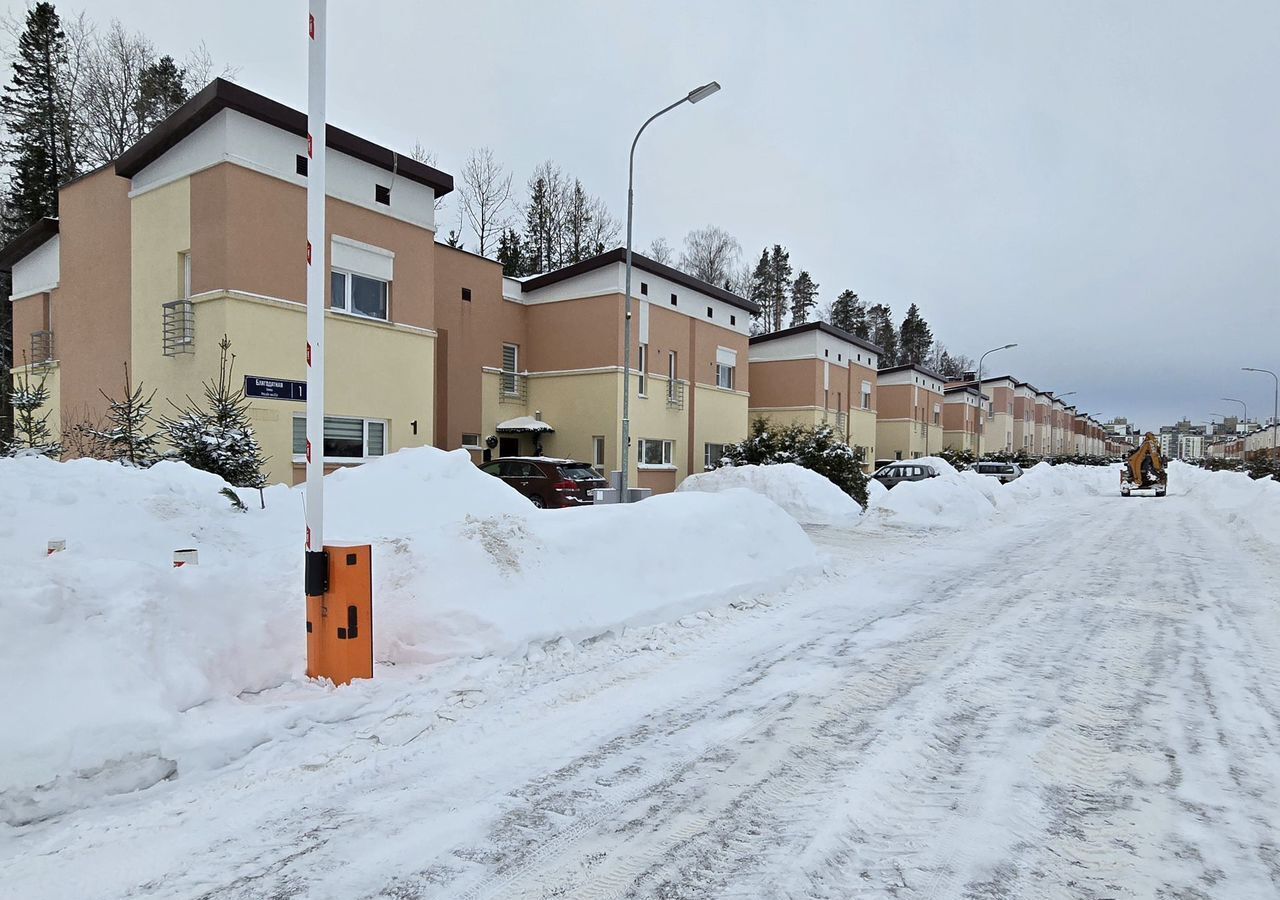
x=1144, y=470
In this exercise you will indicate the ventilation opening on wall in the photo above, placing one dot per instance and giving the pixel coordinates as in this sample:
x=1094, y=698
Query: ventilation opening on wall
x=466, y=293
x=673, y=300
x=301, y=165
x=644, y=288
x=382, y=194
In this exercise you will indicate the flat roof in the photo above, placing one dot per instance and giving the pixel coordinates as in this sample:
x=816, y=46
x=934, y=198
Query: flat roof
x=644, y=264
x=923, y=370
x=825, y=328
x=36, y=234
x=221, y=94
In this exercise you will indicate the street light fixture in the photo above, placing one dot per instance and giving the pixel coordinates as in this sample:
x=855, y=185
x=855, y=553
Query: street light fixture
x=694, y=96
x=1275, y=414
x=978, y=424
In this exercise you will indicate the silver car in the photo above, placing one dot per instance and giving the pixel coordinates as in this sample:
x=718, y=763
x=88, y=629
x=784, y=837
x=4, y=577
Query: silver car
x=1004, y=471
x=904, y=470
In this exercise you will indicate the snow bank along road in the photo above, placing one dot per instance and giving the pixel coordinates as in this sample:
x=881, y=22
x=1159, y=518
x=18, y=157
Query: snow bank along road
x=1079, y=701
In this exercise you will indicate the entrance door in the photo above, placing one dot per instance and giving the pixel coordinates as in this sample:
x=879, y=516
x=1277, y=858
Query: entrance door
x=508, y=446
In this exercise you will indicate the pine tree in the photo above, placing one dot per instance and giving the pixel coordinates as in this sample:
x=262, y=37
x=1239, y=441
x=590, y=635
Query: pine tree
x=31, y=435
x=779, y=285
x=804, y=297
x=850, y=313
x=880, y=322
x=37, y=118
x=915, y=339
x=161, y=90
x=219, y=439
x=127, y=439
x=761, y=295
x=511, y=254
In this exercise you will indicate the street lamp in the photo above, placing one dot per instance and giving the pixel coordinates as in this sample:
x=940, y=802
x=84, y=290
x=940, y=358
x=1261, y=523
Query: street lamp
x=978, y=424
x=694, y=96
x=1275, y=414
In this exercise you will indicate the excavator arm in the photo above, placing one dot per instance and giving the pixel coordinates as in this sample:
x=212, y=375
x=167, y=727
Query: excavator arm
x=1145, y=469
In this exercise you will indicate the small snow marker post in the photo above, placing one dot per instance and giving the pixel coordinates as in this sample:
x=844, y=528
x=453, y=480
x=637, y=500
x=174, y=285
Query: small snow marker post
x=337, y=580
x=185, y=558
x=56, y=547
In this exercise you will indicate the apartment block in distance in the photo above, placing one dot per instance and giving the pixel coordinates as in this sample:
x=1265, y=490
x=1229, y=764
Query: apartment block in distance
x=817, y=374
x=909, y=424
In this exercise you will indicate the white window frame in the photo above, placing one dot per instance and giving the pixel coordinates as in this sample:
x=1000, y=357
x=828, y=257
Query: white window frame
x=721, y=369
x=513, y=390
x=597, y=451
x=706, y=455
x=186, y=275
x=346, y=308
x=478, y=445
x=671, y=376
x=642, y=365
x=366, y=455
x=668, y=450
x=866, y=395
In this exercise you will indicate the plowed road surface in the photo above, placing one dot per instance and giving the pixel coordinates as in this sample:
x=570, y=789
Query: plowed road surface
x=1084, y=703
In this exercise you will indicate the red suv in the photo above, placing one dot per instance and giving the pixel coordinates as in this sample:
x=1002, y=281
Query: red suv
x=548, y=483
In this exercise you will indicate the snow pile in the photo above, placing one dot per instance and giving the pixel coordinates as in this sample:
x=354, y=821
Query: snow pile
x=1043, y=480
x=806, y=496
x=108, y=644
x=1246, y=503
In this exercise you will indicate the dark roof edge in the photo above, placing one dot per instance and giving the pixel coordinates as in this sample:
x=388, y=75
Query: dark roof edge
x=923, y=370
x=220, y=94
x=826, y=328
x=643, y=263
x=36, y=234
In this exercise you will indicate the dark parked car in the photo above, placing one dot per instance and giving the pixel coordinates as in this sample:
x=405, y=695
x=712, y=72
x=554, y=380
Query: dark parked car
x=1006, y=472
x=548, y=483
x=905, y=470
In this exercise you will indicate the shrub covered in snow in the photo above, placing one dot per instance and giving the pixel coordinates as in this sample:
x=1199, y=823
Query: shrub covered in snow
x=808, y=497
x=816, y=448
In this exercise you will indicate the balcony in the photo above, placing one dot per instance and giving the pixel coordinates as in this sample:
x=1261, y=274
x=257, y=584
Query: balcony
x=41, y=348
x=675, y=394
x=513, y=387
x=179, y=328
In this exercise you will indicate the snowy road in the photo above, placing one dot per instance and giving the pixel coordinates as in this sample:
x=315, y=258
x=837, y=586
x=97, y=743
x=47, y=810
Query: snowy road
x=1082, y=701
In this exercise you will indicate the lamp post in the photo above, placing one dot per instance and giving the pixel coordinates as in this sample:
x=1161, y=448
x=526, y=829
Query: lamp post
x=1275, y=413
x=1246, y=420
x=694, y=96
x=978, y=424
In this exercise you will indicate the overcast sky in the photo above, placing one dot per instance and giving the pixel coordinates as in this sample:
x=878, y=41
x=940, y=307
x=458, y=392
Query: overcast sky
x=1095, y=181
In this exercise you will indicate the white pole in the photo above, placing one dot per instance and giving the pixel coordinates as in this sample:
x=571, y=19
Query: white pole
x=316, y=269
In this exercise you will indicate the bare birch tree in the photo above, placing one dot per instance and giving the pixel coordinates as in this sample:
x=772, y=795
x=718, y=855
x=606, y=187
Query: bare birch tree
x=486, y=197
x=711, y=254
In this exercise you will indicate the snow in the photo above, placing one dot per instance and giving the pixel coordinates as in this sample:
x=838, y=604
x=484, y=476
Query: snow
x=1074, y=693
x=523, y=423
x=807, y=497
x=112, y=647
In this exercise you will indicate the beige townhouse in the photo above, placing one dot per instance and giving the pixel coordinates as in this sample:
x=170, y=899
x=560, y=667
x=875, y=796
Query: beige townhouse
x=198, y=231
x=961, y=411
x=818, y=374
x=1042, y=433
x=909, y=422
x=1024, y=417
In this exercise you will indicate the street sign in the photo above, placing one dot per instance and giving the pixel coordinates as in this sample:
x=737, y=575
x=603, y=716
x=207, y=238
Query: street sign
x=275, y=388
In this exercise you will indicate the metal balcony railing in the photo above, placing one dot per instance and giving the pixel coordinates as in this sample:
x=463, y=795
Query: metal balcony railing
x=41, y=348
x=675, y=394
x=179, y=328
x=512, y=387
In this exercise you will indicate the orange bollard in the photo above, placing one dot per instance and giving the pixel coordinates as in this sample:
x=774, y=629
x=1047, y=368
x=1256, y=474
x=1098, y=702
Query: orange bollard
x=340, y=621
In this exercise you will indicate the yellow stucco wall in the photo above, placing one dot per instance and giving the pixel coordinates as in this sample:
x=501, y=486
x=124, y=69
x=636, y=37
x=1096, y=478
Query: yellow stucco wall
x=862, y=433
x=579, y=406
x=910, y=438
x=720, y=418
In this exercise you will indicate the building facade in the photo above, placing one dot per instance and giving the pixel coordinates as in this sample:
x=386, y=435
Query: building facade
x=961, y=411
x=909, y=422
x=818, y=374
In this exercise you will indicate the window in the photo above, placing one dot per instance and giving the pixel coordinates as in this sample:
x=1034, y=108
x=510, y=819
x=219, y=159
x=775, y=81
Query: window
x=733, y=320
x=937, y=414
x=186, y=275
x=654, y=452
x=674, y=301
x=345, y=440
x=382, y=194
x=839, y=357
x=510, y=363
x=597, y=451
x=866, y=395
x=466, y=294
x=644, y=288
x=672, y=383
x=358, y=294
x=471, y=441
x=826, y=352
x=724, y=376
x=300, y=165
x=710, y=312
x=642, y=363
x=711, y=456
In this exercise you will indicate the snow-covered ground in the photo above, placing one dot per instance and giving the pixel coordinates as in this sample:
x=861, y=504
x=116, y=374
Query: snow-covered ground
x=1034, y=690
